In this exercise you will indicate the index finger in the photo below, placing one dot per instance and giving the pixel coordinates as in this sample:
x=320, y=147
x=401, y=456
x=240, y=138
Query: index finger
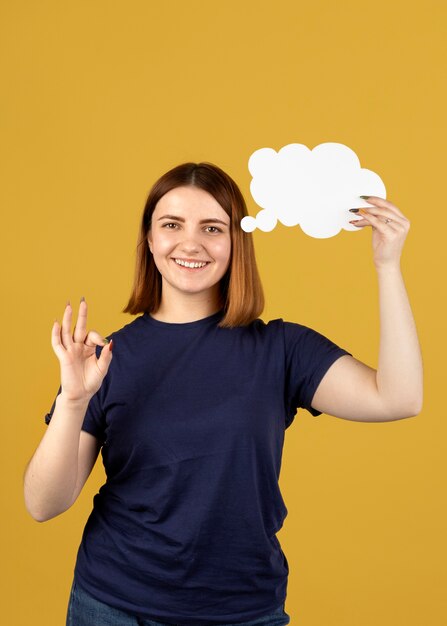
x=384, y=204
x=80, y=329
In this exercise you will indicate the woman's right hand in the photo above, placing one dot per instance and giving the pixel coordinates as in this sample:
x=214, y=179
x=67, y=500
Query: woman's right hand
x=81, y=372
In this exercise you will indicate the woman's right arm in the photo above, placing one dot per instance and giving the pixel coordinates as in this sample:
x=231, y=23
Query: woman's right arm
x=66, y=454
x=62, y=462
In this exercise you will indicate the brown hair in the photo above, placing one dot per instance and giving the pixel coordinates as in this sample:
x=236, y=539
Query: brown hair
x=242, y=297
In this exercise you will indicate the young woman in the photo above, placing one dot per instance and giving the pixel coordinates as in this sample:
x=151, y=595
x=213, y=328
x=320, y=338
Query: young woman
x=190, y=414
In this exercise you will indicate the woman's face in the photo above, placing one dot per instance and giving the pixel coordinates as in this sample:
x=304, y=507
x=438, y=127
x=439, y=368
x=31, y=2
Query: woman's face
x=190, y=241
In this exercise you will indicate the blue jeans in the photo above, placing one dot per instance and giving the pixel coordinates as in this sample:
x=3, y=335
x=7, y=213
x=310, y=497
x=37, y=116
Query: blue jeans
x=84, y=610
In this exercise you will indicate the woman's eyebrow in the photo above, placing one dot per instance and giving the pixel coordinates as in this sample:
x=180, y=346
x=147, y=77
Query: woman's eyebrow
x=182, y=219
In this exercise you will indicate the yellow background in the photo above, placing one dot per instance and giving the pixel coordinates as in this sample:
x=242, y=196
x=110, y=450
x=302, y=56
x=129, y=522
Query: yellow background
x=98, y=100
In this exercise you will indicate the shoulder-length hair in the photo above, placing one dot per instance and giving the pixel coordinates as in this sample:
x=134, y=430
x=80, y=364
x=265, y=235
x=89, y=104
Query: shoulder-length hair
x=241, y=293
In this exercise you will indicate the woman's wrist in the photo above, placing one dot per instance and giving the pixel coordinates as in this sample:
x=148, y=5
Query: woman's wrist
x=388, y=268
x=72, y=403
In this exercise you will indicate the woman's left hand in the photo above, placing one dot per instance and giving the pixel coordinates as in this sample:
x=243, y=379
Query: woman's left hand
x=389, y=230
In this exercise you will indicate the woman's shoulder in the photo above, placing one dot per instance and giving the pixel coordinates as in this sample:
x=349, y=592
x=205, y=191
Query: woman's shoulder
x=278, y=323
x=285, y=330
x=132, y=329
x=266, y=327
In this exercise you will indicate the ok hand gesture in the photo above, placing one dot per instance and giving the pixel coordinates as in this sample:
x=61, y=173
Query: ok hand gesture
x=81, y=372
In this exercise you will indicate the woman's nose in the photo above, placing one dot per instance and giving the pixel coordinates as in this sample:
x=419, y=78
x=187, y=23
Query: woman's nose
x=190, y=243
x=190, y=247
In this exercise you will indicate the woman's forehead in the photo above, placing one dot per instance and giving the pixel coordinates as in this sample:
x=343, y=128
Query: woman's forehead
x=190, y=202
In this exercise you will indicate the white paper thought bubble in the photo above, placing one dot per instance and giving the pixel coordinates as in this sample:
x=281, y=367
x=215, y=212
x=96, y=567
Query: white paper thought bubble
x=311, y=188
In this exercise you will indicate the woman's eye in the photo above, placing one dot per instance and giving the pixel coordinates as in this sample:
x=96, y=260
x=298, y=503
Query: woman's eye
x=174, y=226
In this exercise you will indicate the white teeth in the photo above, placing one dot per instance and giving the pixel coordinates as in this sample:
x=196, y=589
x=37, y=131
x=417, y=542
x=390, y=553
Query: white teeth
x=187, y=264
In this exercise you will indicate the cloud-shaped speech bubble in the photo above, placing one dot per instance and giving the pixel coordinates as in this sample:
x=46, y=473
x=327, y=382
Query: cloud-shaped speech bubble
x=310, y=188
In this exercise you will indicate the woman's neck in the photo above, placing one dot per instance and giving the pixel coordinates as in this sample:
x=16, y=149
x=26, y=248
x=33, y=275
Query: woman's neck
x=186, y=309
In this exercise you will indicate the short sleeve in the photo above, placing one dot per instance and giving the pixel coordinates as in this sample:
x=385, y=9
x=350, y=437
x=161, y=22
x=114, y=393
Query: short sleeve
x=94, y=420
x=308, y=354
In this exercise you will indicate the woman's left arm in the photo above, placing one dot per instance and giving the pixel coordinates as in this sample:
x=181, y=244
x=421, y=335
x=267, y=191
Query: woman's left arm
x=351, y=389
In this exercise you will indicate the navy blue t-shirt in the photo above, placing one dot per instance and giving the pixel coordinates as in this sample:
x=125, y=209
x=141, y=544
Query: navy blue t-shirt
x=192, y=418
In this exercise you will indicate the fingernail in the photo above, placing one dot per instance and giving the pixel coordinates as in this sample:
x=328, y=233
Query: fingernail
x=106, y=340
x=111, y=345
x=68, y=303
x=365, y=197
x=354, y=210
x=82, y=299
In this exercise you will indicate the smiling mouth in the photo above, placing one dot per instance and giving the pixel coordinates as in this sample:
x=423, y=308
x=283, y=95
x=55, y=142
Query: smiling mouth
x=191, y=265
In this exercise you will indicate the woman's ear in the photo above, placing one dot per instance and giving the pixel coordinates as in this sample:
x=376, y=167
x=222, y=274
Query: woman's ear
x=149, y=241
